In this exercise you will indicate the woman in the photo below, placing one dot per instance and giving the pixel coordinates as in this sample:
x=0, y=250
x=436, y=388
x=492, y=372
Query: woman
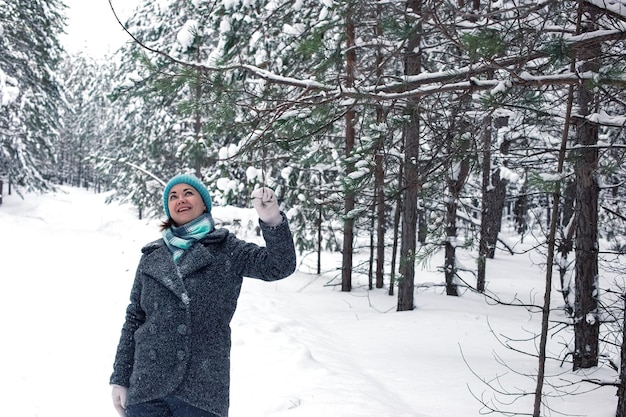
x=173, y=357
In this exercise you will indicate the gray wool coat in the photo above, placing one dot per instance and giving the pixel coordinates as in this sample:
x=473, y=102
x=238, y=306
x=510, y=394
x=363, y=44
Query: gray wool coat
x=176, y=337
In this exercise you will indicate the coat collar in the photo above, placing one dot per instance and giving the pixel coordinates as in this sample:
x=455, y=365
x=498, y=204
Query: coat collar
x=159, y=264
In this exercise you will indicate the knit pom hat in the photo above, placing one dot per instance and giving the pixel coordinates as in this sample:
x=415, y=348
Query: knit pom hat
x=190, y=180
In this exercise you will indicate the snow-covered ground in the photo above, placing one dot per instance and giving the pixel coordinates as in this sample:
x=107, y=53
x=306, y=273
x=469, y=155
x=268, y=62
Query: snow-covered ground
x=301, y=347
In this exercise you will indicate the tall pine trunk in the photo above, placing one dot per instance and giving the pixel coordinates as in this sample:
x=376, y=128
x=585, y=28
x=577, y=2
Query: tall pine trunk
x=494, y=194
x=586, y=319
x=396, y=227
x=485, y=222
x=412, y=66
x=456, y=181
x=349, y=201
x=566, y=245
x=621, y=389
x=379, y=176
x=380, y=219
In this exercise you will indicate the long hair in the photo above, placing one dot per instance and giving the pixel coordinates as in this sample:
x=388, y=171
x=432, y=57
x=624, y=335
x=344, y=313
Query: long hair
x=166, y=224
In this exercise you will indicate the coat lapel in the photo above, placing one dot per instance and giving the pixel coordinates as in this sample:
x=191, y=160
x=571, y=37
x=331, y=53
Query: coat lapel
x=194, y=258
x=160, y=265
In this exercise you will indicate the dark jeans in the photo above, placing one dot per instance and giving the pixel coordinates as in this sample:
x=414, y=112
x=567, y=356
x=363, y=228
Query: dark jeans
x=169, y=406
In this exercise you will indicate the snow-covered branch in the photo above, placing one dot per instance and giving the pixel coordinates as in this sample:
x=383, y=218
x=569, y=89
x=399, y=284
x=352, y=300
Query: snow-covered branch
x=8, y=89
x=138, y=168
x=616, y=8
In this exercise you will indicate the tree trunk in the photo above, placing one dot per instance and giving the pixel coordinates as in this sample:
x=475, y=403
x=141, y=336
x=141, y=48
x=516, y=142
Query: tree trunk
x=396, y=226
x=370, y=271
x=493, y=195
x=348, y=227
x=408, y=245
x=412, y=66
x=483, y=246
x=547, y=296
x=450, y=249
x=456, y=181
x=621, y=389
x=422, y=225
x=520, y=209
x=379, y=173
x=197, y=123
x=566, y=245
x=586, y=319
x=319, y=238
x=380, y=219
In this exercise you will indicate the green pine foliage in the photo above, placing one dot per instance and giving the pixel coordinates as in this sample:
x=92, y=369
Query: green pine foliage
x=224, y=99
x=483, y=44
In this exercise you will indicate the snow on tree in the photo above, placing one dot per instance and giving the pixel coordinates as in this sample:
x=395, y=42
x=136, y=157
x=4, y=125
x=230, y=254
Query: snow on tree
x=30, y=123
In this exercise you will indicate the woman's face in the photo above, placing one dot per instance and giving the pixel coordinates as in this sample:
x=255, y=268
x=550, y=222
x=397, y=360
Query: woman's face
x=185, y=204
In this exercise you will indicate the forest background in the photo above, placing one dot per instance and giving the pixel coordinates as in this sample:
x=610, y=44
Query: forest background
x=406, y=129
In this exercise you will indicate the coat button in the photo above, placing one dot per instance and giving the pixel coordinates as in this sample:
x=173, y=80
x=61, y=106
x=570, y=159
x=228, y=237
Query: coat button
x=181, y=355
x=152, y=354
x=182, y=329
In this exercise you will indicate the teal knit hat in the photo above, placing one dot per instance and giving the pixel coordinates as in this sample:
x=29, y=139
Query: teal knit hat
x=190, y=180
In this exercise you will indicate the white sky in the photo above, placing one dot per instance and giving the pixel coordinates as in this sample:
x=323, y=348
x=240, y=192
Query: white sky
x=92, y=26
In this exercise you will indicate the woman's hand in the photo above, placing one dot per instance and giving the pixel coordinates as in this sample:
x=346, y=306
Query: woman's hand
x=119, y=399
x=266, y=205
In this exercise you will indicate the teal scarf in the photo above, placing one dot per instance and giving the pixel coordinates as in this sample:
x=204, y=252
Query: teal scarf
x=180, y=238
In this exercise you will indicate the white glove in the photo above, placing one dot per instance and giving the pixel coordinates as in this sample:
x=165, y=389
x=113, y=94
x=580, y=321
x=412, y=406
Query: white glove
x=119, y=399
x=266, y=205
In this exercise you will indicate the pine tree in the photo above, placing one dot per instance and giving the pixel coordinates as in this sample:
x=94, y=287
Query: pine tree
x=29, y=126
x=82, y=134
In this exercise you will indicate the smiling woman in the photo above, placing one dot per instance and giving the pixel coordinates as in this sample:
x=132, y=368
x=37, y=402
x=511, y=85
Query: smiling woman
x=173, y=357
x=92, y=28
